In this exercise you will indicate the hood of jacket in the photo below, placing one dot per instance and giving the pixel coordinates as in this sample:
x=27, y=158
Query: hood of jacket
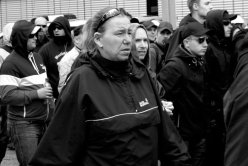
x=133, y=28
x=187, y=19
x=214, y=22
x=19, y=36
x=63, y=22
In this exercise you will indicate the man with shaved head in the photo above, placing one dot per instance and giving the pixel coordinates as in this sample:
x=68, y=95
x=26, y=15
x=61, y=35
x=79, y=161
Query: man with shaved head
x=42, y=35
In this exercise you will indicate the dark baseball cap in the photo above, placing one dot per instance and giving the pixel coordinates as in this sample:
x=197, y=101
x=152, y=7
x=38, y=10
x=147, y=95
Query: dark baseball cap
x=164, y=25
x=149, y=24
x=195, y=29
x=227, y=16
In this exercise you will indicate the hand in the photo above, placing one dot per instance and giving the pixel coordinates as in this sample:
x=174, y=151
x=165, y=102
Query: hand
x=168, y=107
x=45, y=93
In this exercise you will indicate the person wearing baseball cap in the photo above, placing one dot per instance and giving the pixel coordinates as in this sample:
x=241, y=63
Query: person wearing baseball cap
x=183, y=81
x=151, y=26
x=159, y=47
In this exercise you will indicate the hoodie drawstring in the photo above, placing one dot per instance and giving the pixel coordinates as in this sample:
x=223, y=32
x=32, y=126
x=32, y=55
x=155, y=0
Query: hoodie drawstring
x=32, y=60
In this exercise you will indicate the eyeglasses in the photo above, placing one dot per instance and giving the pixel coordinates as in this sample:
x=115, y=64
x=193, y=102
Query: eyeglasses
x=31, y=36
x=57, y=27
x=226, y=22
x=111, y=13
x=43, y=26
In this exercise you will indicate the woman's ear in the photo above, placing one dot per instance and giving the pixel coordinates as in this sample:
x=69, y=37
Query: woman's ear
x=97, y=39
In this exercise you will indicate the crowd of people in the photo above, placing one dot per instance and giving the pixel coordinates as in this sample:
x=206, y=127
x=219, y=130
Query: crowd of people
x=116, y=91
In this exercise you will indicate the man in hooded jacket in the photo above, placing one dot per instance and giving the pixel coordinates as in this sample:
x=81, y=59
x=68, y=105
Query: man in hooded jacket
x=220, y=64
x=22, y=78
x=52, y=52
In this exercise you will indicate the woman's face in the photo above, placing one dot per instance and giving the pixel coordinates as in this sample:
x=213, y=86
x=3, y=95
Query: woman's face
x=115, y=42
x=141, y=43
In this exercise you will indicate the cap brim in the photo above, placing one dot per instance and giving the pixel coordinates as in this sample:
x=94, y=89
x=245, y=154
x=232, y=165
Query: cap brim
x=35, y=30
x=232, y=16
x=162, y=29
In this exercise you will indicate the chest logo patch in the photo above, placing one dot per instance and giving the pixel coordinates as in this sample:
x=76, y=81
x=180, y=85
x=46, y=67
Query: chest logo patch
x=144, y=103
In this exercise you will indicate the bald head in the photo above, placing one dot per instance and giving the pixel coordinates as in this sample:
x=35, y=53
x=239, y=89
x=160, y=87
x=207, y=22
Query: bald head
x=40, y=21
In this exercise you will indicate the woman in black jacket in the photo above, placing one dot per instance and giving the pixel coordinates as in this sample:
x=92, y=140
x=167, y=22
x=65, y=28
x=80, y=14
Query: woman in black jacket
x=109, y=113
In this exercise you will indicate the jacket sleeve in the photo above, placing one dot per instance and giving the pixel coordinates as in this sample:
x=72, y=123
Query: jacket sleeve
x=10, y=91
x=64, y=66
x=63, y=142
x=235, y=116
x=172, y=149
x=153, y=58
x=170, y=77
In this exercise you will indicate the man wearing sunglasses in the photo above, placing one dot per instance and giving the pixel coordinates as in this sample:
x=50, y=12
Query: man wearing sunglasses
x=42, y=37
x=198, y=12
x=182, y=78
x=220, y=65
x=52, y=52
x=22, y=76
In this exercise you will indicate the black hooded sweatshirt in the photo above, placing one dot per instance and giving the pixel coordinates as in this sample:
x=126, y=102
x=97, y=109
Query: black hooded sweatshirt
x=54, y=50
x=21, y=75
x=220, y=59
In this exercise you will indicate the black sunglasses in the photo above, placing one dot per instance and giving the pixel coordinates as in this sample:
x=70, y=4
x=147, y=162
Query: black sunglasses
x=31, y=36
x=57, y=27
x=111, y=13
x=226, y=22
x=43, y=26
x=202, y=40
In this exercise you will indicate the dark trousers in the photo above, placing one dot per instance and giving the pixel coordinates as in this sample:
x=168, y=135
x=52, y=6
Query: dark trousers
x=3, y=132
x=197, y=151
x=215, y=144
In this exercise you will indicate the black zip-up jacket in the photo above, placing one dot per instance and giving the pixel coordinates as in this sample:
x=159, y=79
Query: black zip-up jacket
x=183, y=80
x=109, y=114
